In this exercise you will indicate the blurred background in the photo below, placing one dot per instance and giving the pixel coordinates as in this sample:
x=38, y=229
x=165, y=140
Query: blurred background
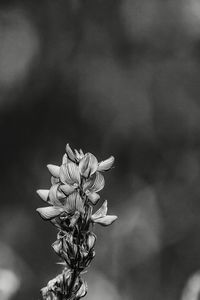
x=110, y=77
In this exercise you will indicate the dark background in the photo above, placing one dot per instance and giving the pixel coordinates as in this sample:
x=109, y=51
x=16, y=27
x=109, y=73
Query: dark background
x=110, y=77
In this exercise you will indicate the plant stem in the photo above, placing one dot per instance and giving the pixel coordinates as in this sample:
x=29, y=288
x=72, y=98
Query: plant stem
x=73, y=280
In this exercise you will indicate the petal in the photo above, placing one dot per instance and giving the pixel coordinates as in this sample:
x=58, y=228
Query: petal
x=91, y=240
x=98, y=184
x=43, y=194
x=54, y=170
x=64, y=159
x=62, y=174
x=83, y=166
x=67, y=189
x=101, y=212
x=69, y=204
x=78, y=157
x=73, y=171
x=105, y=221
x=106, y=164
x=55, y=195
x=74, y=202
x=54, y=180
x=93, y=197
x=60, y=194
x=93, y=164
x=82, y=290
x=50, y=212
x=69, y=173
x=81, y=153
x=70, y=153
x=88, y=183
x=88, y=165
x=79, y=204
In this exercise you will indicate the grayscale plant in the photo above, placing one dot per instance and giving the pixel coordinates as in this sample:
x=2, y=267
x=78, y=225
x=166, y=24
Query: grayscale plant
x=71, y=199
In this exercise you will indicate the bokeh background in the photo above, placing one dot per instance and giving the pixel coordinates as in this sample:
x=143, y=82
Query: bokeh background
x=110, y=77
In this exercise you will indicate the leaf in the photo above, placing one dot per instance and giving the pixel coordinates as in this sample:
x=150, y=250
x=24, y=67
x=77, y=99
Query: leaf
x=54, y=170
x=107, y=164
x=43, y=194
x=101, y=212
x=81, y=152
x=105, y=221
x=93, y=197
x=88, y=165
x=49, y=212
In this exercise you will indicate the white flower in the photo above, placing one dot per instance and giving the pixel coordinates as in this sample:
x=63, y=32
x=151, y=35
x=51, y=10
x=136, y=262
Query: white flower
x=88, y=165
x=101, y=216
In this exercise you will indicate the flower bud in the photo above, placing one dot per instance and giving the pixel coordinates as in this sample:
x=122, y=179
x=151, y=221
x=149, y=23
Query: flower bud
x=57, y=246
x=70, y=153
x=90, y=256
x=91, y=240
x=82, y=290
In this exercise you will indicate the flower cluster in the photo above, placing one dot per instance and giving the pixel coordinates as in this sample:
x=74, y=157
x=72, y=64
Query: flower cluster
x=71, y=199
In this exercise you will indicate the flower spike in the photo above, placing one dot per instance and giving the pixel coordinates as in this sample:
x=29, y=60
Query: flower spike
x=74, y=191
